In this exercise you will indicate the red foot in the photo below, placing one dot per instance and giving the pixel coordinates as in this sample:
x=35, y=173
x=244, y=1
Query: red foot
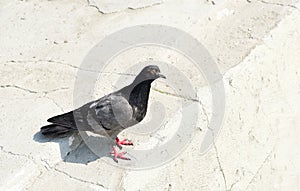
x=123, y=142
x=118, y=155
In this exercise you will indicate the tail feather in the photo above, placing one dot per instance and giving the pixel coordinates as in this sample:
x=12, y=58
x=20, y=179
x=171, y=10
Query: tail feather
x=56, y=130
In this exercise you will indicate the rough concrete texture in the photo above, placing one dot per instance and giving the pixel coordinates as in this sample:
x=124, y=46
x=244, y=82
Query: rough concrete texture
x=256, y=45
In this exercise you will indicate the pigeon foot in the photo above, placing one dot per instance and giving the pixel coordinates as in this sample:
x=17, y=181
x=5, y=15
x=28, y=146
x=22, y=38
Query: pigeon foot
x=118, y=155
x=122, y=142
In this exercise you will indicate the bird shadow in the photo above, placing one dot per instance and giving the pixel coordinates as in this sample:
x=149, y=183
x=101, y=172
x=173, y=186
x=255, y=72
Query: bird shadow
x=79, y=148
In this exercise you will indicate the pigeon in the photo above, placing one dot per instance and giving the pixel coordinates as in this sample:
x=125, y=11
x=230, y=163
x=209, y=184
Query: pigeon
x=109, y=115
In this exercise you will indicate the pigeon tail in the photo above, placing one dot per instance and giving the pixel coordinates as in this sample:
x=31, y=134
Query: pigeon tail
x=56, y=130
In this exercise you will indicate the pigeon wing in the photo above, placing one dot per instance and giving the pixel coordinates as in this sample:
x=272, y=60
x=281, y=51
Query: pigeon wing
x=109, y=112
x=76, y=119
x=66, y=119
x=113, y=111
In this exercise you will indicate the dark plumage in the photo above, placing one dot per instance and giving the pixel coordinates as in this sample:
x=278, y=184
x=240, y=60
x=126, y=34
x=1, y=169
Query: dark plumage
x=110, y=114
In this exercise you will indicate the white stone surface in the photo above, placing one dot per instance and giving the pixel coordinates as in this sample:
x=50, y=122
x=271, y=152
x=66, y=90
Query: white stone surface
x=256, y=46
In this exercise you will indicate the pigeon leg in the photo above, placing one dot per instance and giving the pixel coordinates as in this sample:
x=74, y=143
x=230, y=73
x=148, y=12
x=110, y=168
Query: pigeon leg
x=122, y=142
x=118, y=155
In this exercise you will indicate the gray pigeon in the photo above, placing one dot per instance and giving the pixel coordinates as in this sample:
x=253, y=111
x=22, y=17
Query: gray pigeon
x=109, y=115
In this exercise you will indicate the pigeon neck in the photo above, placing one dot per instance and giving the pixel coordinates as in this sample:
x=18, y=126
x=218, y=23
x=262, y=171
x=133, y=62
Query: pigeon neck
x=139, y=94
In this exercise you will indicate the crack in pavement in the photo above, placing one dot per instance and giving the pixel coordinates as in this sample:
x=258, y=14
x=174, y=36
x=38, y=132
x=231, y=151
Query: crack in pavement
x=279, y=4
x=33, y=91
x=55, y=90
x=47, y=166
x=218, y=158
x=175, y=95
x=231, y=186
x=79, y=179
x=42, y=92
x=34, y=181
x=18, y=87
x=96, y=71
x=30, y=158
x=55, y=103
x=216, y=150
x=215, y=147
x=19, y=155
x=103, y=8
x=261, y=166
x=205, y=113
x=69, y=65
x=220, y=166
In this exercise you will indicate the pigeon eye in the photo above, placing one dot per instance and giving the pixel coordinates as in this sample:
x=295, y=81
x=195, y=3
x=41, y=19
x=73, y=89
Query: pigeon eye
x=153, y=72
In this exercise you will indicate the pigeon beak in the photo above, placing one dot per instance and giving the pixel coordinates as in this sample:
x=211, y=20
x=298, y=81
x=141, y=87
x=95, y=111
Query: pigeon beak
x=162, y=76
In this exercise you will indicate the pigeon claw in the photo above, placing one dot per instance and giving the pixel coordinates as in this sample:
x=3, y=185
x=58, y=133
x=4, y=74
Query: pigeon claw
x=118, y=155
x=123, y=142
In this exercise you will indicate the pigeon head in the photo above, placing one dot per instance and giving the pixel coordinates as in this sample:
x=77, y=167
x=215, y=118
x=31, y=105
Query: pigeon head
x=143, y=80
x=150, y=72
